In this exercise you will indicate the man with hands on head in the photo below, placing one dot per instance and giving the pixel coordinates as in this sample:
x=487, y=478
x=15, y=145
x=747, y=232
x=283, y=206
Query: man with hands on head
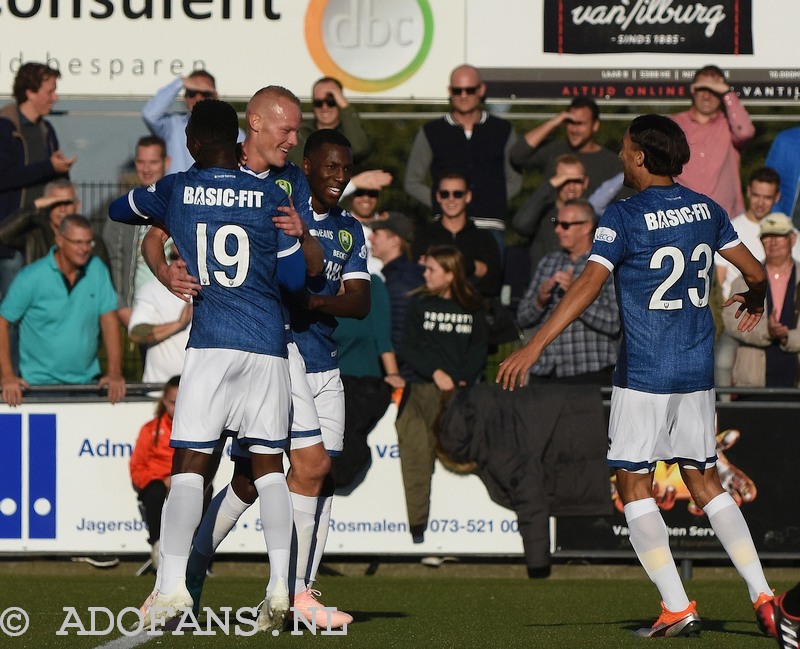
x=171, y=127
x=534, y=218
x=717, y=127
x=581, y=123
x=663, y=401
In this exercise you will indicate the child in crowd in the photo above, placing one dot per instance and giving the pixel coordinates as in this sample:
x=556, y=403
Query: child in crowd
x=151, y=464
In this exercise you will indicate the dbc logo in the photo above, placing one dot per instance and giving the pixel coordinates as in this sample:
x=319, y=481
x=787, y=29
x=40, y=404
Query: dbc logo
x=369, y=45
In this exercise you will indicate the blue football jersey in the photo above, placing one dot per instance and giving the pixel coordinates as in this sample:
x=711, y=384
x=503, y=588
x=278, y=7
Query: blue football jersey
x=220, y=220
x=342, y=239
x=660, y=245
x=291, y=179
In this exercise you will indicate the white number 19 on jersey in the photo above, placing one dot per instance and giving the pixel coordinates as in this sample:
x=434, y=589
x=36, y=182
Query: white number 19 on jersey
x=239, y=261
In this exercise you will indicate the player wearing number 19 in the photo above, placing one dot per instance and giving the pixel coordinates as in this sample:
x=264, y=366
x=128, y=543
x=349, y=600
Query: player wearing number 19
x=236, y=373
x=660, y=245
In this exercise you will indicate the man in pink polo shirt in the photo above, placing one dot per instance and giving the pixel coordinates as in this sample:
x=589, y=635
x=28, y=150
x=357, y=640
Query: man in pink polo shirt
x=717, y=127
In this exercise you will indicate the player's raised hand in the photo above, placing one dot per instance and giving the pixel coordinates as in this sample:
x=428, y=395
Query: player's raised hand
x=750, y=309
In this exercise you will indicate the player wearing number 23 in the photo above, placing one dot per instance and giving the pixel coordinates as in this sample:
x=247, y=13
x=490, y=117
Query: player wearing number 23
x=660, y=244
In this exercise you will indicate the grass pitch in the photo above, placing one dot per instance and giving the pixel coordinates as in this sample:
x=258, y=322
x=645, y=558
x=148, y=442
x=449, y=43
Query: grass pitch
x=402, y=605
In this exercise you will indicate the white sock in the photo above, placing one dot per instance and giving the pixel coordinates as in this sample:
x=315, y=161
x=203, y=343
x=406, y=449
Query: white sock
x=650, y=540
x=305, y=512
x=323, y=522
x=222, y=514
x=276, y=519
x=181, y=515
x=732, y=531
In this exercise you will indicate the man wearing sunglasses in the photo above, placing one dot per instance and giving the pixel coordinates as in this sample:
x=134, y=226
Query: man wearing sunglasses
x=470, y=140
x=171, y=127
x=587, y=350
x=332, y=110
x=453, y=228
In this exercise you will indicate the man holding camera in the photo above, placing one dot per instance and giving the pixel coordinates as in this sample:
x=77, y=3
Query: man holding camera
x=717, y=127
x=332, y=110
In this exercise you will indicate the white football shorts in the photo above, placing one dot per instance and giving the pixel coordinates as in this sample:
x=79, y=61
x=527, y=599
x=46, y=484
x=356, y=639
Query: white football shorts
x=228, y=389
x=677, y=428
x=323, y=402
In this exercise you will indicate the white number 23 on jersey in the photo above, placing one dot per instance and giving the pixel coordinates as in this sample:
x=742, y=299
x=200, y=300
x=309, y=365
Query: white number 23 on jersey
x=663, y=256
x=239, y=262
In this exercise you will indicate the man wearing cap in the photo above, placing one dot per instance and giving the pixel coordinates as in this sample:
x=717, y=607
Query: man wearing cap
x=767, y=355
x=391, y=240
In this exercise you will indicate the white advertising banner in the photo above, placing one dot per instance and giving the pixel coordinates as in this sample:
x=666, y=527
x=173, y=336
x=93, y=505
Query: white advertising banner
x=132, y=47
x=65, y=488
x=401, y=49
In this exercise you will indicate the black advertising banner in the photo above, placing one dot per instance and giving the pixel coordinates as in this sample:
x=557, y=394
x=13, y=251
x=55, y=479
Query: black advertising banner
x=668, y=26
x=758, y=450
x=639, y=84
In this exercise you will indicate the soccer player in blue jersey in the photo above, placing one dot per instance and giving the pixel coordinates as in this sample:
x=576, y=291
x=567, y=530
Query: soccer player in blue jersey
x=343, y=290
x=659, y=244
x=236, y=376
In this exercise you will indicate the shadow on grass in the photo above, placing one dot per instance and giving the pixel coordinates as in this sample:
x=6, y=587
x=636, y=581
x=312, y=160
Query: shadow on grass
x=708, y=624
x=366, y=616
x=358, y=617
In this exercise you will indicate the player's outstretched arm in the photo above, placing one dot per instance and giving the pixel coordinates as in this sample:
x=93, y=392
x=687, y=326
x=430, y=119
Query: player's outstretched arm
x=584, y=291
x=121, y=211
x=751, y=303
